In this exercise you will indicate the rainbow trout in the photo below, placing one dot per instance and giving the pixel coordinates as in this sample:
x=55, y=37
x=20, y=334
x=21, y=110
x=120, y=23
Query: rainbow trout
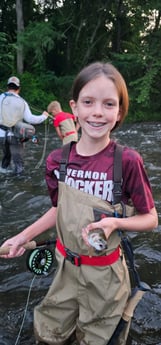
x=97, y=240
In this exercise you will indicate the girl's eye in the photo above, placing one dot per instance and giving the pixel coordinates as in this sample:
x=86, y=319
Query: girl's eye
x=87, y=101
x=109, y=104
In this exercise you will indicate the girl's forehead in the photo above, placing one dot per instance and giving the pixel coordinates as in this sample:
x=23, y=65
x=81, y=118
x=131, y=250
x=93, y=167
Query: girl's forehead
x=101, y=85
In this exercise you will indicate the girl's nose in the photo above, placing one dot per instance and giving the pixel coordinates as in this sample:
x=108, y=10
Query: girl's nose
x=98, y=109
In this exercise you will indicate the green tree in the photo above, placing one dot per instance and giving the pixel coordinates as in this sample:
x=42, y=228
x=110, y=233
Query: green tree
x=6, y=56
x=60, y=37
x=20, y=29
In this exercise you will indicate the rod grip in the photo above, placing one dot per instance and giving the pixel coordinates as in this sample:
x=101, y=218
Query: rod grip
x=28, y=245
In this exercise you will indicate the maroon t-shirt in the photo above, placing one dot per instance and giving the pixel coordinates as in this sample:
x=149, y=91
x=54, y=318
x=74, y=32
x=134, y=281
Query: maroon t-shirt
x=94, y=175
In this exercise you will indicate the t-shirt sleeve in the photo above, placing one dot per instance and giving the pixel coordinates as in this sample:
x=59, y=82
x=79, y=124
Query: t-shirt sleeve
x=52, y=174
x=136, y=185
x=59, y=118
x=56, y=122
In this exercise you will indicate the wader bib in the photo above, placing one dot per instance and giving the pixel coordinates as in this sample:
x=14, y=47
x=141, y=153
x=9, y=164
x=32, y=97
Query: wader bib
x=88, y=299
x=70, y=136
x=68, y=130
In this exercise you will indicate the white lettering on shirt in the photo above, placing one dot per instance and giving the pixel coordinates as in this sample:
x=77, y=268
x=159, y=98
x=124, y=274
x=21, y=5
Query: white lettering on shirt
x=90, y=182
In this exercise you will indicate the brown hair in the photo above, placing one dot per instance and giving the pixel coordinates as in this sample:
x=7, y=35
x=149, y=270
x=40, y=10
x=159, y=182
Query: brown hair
x=93, y=71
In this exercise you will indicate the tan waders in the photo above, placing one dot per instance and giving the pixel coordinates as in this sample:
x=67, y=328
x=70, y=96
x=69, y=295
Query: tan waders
x=68, y=131
x=70, y=136
x=87, y=299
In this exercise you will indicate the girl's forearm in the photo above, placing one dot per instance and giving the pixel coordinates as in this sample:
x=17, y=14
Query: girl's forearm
x=143, y=222
x=140, y=222
x=44, y=223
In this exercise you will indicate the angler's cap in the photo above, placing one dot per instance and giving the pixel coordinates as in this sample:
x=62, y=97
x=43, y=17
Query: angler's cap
x=13, y=80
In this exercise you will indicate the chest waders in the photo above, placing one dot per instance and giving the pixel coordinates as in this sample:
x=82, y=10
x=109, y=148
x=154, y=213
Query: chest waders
x=68, y=130
x=86, y=297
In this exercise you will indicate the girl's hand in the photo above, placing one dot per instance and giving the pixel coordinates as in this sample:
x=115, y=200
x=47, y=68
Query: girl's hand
x=108, y=225
x=15, y=246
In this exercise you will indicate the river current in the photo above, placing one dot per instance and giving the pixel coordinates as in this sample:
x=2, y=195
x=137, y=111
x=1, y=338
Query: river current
x=25, y=199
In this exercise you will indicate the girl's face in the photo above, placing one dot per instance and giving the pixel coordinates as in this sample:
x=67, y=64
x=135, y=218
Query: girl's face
x=97, y=107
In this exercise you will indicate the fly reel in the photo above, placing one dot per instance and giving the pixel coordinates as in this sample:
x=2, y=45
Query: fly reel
x=40, y=260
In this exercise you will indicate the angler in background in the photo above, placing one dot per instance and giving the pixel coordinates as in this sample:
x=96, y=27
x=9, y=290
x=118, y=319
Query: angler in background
x=90, y=290
x=14, y=110
x=66, y=124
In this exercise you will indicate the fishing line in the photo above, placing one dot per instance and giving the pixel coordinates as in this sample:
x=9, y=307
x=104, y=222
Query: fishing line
x=47, y=126
x=45, y=144
x=39, y=261
x=25, y=312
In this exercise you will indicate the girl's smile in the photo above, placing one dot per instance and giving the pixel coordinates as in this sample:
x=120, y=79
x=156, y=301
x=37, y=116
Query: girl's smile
x=96, y=124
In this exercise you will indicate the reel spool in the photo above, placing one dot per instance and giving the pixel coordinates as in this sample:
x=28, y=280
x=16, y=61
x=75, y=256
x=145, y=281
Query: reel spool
x=40, y=260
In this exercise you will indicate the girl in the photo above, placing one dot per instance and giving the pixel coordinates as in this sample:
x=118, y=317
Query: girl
x=88, y=295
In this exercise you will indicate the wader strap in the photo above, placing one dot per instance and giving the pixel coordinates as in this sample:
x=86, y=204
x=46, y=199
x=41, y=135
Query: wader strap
x=78, y=260
x=4, y=128
x=117, y=174
x=64, y=160
x=126, y=244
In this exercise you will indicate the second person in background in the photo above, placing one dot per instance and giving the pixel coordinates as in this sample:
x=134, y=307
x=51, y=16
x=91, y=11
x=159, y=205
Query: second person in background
x=15, y=126
x=66, y=124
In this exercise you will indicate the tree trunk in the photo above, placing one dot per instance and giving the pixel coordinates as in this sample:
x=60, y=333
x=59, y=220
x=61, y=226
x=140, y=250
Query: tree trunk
x=20, y=28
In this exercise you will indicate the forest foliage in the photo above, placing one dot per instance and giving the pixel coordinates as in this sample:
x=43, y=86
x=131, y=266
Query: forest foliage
x=47, y=42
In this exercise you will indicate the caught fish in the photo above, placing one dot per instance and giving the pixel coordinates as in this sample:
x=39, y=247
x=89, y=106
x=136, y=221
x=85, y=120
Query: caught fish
x=97, y=240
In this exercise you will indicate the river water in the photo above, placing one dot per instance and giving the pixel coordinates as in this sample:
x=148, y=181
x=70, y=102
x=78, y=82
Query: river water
x=23, y=200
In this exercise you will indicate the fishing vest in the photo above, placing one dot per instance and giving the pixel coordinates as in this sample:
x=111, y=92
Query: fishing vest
x=12, y=110
x=11, y=117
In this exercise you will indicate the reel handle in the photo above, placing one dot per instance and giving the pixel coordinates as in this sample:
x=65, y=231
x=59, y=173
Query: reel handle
x=28, y=245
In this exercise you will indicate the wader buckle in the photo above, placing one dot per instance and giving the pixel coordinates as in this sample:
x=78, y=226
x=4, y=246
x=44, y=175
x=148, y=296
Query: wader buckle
x=73, y=257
